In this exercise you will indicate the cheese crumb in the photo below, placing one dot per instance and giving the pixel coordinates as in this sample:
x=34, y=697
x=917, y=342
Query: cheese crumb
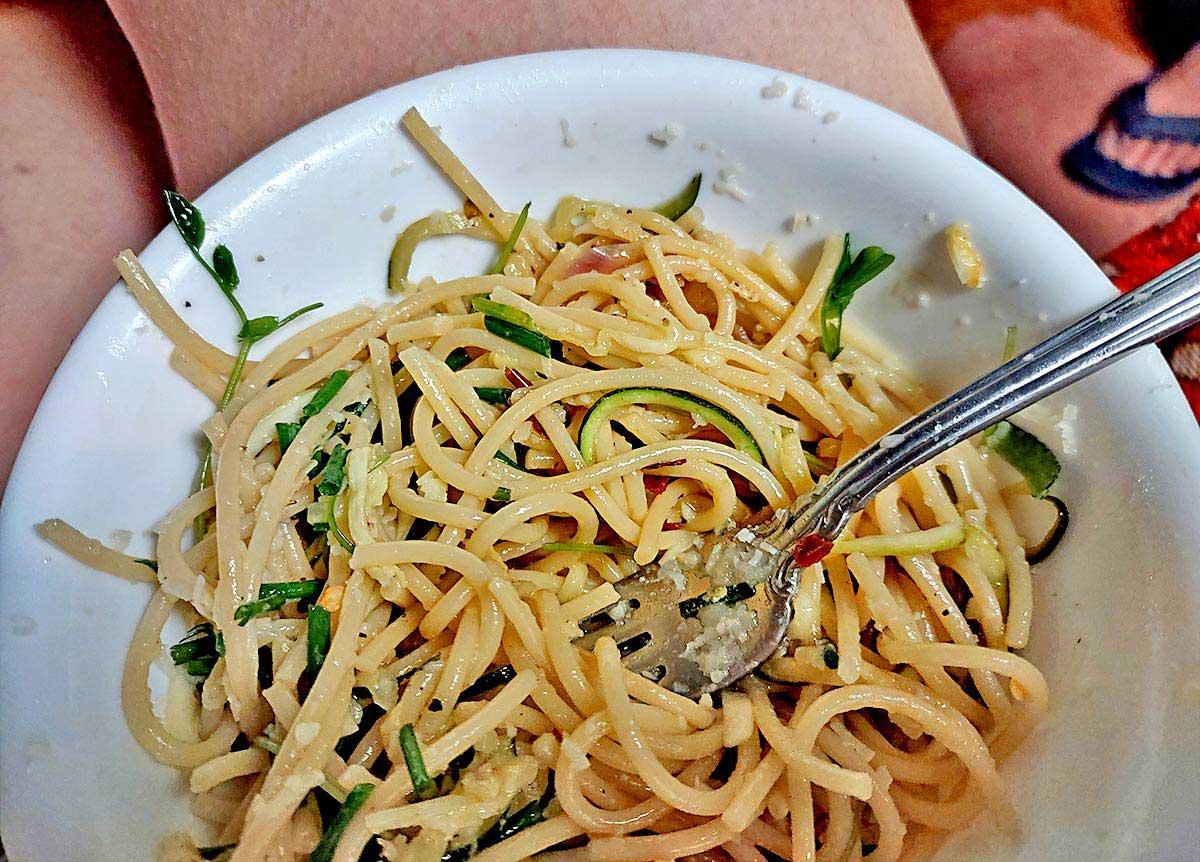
x=831, y=117
x=431, y=487
x=1066, y=429
x=667, y=134
x=803, y=100
x=729, y=184
x=800, y=220
x=306, y=731
x=386, y=214
x=777, y=89
x=568, y=140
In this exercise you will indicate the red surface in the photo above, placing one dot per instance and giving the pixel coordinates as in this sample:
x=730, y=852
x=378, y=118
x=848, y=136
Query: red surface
x=1153, y=251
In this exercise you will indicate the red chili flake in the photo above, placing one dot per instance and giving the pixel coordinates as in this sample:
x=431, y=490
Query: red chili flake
x=811, y=549
x=678, y=462
x=656, y=484
x=741, y=485
x=516, y=378
x=668, y=526
x=710, y=433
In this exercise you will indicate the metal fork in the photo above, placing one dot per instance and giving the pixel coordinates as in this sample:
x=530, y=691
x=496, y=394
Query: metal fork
x=659, y=626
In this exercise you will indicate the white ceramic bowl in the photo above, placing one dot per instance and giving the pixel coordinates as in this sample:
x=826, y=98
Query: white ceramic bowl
x=1111, y=775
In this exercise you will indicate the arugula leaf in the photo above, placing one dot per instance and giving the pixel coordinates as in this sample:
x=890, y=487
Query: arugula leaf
x=502, y=494
x=847, y=279
x=506, y=250
x=1030, y=456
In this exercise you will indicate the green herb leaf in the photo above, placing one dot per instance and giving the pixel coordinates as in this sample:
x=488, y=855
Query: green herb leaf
x=217, y=853
x=588, y=548
x=492, y=679
x=150, y=564
x=288, y=318
x=502, y=494
x=187, y=219
x=318, y=638
x=333, y=477
x=337, y=531
x=494, y=394
x=1010, y=343
x=329, y=841
x=258, y=328
x=458, y=358
x=829, y=655
x=673, y=208
x=198, y=650
x=688, y=608
x=1030, y=456
x=423, y=785
x=257, y=608
x=490, y=308
x=325, y=394
x=504, y=459
x=287, y=432
x=225, y=269
x=847, y=279
x=292, y=591
x=518, y=335
x=526, y=816
x=506, y=250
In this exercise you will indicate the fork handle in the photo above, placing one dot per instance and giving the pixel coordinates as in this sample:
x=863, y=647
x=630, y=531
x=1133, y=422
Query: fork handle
x=1157, y=309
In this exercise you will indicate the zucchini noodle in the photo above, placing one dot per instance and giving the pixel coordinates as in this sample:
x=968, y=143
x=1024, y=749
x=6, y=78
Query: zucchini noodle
x=432, y=451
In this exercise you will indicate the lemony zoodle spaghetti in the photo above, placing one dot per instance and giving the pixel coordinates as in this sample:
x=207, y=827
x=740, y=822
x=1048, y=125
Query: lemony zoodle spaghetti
x=413, y=507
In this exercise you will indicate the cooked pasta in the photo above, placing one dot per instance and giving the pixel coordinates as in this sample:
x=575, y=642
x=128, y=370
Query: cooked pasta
x=407, y=522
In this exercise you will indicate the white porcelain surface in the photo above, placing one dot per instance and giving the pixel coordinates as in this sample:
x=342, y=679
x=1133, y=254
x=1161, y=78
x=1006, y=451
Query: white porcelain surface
x=1114, y=773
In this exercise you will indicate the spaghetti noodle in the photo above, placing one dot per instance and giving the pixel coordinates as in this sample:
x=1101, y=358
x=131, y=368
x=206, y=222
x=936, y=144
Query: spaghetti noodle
x=405, y=530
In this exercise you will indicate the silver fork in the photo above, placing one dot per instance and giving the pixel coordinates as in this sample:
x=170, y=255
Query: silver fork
x=657, y=613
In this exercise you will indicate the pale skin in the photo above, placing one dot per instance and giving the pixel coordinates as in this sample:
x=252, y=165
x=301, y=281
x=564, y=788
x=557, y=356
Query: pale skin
x=83, y=163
